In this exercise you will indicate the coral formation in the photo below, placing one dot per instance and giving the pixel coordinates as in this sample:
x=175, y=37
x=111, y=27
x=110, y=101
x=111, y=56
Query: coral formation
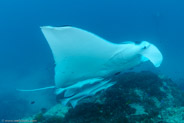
x=136, y=97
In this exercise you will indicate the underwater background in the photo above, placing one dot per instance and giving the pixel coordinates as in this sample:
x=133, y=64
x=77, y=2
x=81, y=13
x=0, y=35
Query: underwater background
x=26, y=59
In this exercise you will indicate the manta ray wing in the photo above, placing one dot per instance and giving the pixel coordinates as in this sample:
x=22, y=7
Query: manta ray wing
x=77, y=53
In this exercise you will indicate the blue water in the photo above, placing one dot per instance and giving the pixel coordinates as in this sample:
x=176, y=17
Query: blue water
x=26, y=59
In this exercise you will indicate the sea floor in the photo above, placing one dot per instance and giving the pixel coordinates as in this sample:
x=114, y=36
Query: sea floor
x=142, y=97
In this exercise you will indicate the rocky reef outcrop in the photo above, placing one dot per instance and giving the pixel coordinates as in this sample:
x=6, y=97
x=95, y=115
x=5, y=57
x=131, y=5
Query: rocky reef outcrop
x=136, y=97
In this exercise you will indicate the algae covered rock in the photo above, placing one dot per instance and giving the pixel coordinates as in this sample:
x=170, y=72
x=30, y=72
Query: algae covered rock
x=53, y=115
x=136, y=97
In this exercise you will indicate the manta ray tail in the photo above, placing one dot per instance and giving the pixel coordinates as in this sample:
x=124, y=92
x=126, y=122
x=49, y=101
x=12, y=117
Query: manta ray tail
x=39, y=89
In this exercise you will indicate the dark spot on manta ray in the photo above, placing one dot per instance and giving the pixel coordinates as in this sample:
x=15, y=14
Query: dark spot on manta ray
x=117, y=73
x=33, y=102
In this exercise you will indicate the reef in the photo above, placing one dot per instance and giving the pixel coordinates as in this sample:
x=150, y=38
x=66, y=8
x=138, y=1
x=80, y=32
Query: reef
x=136, y=97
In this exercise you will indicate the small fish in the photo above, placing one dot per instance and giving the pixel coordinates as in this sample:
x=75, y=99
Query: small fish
x=33, y=102
x=117, y=73
x=131, y=68
x=43, y=110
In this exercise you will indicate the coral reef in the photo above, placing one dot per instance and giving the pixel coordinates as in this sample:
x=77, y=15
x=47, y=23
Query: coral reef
x=136, y=97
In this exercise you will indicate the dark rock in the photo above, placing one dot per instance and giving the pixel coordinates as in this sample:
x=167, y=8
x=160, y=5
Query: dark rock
x=136, y=97
x=117, y=101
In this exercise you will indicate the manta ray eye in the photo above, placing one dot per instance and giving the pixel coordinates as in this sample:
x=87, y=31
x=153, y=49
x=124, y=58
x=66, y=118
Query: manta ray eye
x=145, y=47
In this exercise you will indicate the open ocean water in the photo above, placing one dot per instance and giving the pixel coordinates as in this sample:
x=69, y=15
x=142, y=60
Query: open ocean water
x=27, y=61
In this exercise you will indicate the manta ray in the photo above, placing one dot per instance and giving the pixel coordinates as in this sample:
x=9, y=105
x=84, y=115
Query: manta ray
x=85, y=62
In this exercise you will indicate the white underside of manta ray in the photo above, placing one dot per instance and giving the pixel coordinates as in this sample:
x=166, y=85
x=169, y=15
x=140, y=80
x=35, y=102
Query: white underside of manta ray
x=85, y=62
